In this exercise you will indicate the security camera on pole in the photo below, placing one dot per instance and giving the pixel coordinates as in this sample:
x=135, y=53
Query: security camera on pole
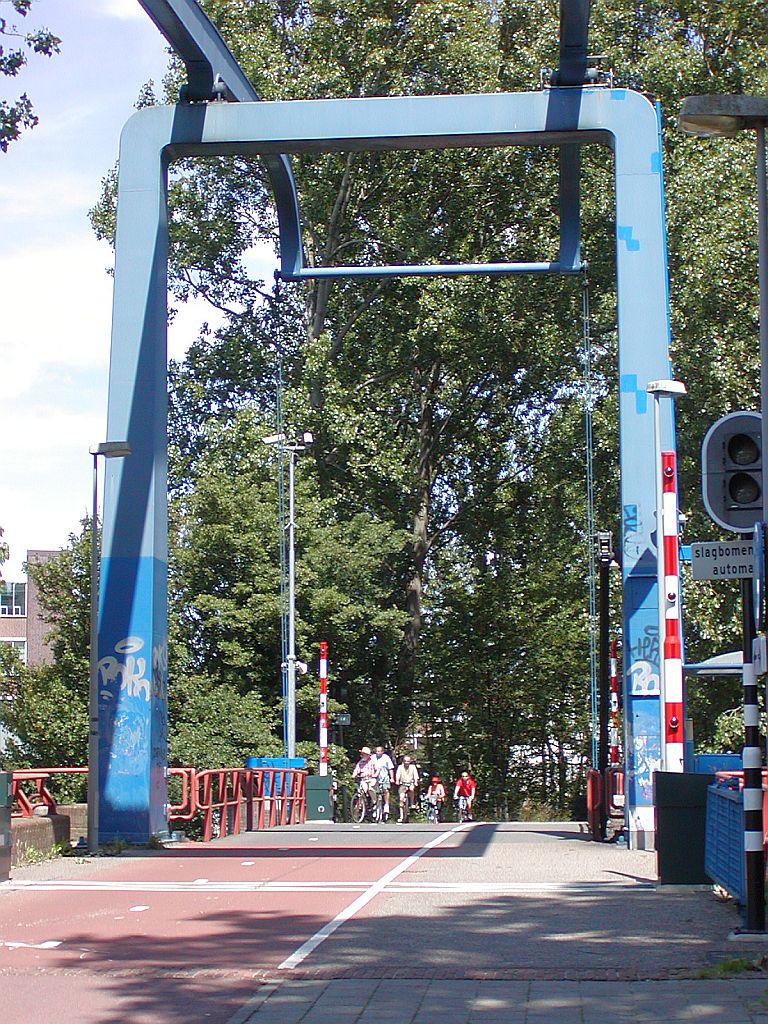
x=732, y=489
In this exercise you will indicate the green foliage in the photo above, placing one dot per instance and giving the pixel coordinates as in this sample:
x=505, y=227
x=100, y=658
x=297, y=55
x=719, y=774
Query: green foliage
x=216, y=726
x=47, y=717
x=19, y=114
x=26, y=854
x=4, y=553
x=732, y=967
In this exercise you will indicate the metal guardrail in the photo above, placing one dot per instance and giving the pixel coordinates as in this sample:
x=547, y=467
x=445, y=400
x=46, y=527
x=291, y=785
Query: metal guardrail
x=269, y=796
x=24, y=779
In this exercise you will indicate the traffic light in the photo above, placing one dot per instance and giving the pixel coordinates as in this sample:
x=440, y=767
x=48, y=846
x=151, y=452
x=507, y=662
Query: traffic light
x=732, y=471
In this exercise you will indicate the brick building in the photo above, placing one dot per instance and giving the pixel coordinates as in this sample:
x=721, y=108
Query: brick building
x=21, y=618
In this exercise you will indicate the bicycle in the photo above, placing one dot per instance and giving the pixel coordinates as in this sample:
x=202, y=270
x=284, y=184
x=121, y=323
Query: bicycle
x=363, y=806
x=405, y=808
x=463, y=804
x=431, y=809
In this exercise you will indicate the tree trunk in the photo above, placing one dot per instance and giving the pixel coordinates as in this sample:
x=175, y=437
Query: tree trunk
x=427, y=384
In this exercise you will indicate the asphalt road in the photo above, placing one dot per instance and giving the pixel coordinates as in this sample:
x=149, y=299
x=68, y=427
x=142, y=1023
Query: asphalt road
x=192, y=932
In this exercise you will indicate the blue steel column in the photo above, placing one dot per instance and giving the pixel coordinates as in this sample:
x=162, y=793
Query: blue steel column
x=133, y=630
x=643, y=315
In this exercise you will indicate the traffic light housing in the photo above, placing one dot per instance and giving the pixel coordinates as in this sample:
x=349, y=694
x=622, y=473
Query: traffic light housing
x=732, y=471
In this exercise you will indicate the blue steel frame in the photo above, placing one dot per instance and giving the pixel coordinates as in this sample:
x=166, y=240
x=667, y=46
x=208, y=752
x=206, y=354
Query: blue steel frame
x=133, y=607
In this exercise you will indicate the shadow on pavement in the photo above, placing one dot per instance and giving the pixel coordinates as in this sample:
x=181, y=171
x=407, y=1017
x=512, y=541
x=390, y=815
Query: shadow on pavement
x=207, y=975
x=472, y=843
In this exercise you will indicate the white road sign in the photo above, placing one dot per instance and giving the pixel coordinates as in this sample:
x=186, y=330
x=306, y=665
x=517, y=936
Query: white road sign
x=723, y=560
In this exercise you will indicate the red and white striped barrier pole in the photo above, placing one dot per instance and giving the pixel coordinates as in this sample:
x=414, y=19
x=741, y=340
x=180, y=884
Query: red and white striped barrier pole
x=323, y=727
x=614, y=706
x=672, y=760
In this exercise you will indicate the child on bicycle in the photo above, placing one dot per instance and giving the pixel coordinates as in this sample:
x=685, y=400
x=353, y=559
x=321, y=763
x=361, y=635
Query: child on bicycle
x=436, y=794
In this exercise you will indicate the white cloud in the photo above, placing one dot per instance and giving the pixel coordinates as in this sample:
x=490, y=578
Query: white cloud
x=57, y=308
x=125, y=10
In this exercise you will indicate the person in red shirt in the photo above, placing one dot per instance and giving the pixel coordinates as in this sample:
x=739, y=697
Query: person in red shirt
x=465, y=786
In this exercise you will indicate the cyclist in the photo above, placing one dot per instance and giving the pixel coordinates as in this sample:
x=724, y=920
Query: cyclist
x=407, y=779
x=386, y=777
x=366, y=771
x=436, y=794
x=465, y=787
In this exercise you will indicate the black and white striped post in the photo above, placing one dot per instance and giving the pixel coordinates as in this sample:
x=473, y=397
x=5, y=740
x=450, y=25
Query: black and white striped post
x=752, y=762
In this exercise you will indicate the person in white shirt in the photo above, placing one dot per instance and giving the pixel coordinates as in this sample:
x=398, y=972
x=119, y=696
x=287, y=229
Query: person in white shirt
x=407, y=779
x=386, y=777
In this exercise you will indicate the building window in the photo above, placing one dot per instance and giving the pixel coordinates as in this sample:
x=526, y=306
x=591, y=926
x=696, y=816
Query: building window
x=13, y=598
x=20, y=646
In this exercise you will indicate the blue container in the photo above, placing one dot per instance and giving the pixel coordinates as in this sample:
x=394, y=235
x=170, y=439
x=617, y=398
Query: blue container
x=724, y=842
x=708, y=764
x=275, y=762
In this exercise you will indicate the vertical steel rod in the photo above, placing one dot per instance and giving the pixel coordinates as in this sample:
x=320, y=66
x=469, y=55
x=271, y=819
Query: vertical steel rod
x=322, y=768
x=604, y=684
x=660, y=571
x=762, y=271
x=291, y=696
x=93, y=687
x=753, y=782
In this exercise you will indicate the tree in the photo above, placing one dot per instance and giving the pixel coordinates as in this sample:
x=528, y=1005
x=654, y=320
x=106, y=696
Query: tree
x=226, y=579
x=19, y=114
x=47, y=715
x=4, y=552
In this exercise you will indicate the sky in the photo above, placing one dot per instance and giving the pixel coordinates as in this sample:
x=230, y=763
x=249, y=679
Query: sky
x=55, y=292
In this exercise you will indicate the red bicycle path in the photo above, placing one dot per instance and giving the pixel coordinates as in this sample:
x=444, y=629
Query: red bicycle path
x=160, y=938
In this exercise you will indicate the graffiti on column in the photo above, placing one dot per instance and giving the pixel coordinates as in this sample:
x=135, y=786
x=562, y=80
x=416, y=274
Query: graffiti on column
x=125, y=691
x=645, y=756
x=644, y=667
x=632, y=544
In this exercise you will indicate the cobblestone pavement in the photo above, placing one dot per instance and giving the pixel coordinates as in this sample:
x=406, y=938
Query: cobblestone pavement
x=393, y=1001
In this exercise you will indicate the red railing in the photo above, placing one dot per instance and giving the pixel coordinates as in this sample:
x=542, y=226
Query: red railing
x=270, y=796
x=24, y=779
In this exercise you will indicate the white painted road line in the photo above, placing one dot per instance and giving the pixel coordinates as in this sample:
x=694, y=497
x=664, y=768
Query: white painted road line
x=50, y=944
x=520, y=888
x=320, y=936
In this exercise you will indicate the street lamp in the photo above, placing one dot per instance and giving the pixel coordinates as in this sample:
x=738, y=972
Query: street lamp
x=725, y=117
x=108, y=450
x=293, y=448
x=671, y=389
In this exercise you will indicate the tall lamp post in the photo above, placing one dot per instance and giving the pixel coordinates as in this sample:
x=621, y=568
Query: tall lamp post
x=725, y=117
x=292, y=448
x=671, y=389
x=108, y=450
